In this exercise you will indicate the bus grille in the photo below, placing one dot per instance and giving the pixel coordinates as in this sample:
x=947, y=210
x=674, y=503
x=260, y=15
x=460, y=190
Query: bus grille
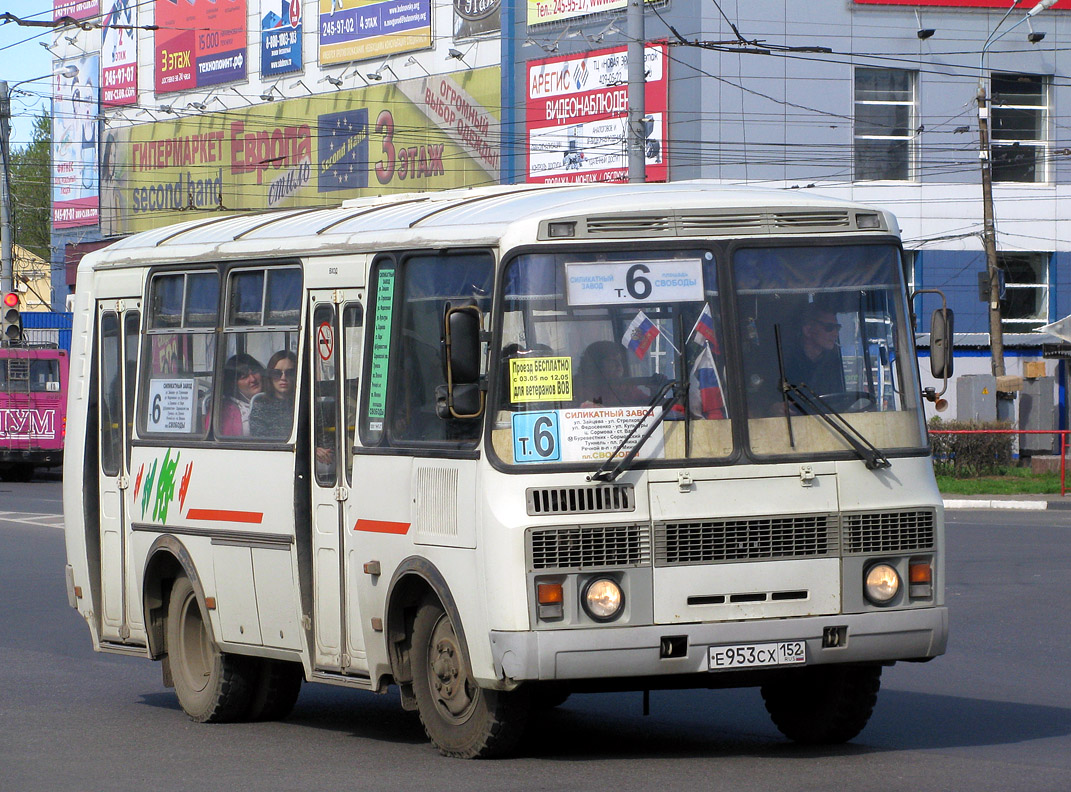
x=589, y=547
x=888, y=532
x=580, y=500
x=746, y=539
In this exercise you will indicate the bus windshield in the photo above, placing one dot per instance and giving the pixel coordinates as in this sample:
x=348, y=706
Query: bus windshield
x=831, y=323
x=590, y=340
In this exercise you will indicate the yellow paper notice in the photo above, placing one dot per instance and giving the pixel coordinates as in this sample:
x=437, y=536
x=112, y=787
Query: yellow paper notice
x=540, y=379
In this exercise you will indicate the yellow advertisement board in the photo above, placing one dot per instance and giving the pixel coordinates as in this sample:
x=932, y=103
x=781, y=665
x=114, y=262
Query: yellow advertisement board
x=431, y=133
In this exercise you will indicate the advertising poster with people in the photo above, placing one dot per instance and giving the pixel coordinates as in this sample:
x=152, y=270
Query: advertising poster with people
x=352, y=30
x=199, y=43
x=75, y=103
x=119, y=54
x=76, y=9
x=280, y=37
x=430, y=133
x=577, y=112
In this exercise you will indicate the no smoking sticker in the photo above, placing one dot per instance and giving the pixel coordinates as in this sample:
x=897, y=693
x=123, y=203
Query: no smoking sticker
x=325, y=341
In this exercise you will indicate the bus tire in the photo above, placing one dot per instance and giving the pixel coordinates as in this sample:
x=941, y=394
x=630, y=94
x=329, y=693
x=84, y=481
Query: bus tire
x=461, y=719
x=212, y=686
x=276, y=690
x=823, y=705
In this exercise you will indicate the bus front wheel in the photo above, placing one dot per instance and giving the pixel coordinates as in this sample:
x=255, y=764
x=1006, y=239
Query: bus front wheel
x=212, y=686
x=823, y=705
x=462, y=719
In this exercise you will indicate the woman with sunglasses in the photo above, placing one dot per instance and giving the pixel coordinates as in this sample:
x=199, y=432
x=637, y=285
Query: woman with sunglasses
x=273, y=411
x=241, y=382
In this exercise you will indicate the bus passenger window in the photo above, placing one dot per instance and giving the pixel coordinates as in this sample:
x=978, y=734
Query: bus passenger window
x=259, y=381
x=179, y=357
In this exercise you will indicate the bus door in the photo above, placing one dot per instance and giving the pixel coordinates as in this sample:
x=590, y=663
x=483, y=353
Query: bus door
x=335, y=364
x=118, y=328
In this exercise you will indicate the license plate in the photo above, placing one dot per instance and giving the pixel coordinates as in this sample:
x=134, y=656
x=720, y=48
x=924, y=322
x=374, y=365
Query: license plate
x=757, y=655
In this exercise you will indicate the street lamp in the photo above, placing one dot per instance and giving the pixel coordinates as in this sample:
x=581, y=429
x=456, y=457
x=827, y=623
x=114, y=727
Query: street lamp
x=985, y=155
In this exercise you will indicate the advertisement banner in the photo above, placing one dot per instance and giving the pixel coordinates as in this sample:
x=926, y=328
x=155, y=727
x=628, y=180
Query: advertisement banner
x=576, y=116
x=76, y=9
x=425, y=134
x=75, y=106
x=476, y=18
x=280, y=37
x=1061, y=5
x=352, y=30
x=119, y=54
x=199, y=43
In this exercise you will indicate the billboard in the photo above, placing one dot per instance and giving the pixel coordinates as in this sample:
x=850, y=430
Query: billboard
x=75, y=100
x=1061, y=5
x=352, y=30
x=424, y=134
x=199, y=43
x=280, y=37
x=476, y=18
x=77, y=9
x=119, y=54
x=576, y=114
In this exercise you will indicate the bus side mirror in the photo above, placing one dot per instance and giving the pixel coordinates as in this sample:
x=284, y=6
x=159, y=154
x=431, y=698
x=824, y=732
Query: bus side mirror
x=941, y=332
x=463, y=395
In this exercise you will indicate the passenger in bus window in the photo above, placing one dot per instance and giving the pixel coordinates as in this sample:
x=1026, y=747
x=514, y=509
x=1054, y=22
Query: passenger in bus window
x=242, y=380
x=813, y=358
x=603, y=380
x=273, y=409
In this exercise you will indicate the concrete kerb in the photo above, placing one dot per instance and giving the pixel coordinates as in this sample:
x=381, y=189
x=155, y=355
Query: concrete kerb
x=1025, y=503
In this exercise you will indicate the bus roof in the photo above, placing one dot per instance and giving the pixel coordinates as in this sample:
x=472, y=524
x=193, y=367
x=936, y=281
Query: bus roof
x=484, y=215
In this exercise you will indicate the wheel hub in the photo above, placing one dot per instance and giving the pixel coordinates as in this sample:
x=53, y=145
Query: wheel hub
x=454, y=691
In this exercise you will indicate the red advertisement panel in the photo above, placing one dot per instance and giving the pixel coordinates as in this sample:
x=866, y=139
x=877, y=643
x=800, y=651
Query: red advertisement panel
x=1061, y=5
x=576, y=114
x=199, y=43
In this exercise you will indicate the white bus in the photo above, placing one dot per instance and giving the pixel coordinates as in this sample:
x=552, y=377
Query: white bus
x=494, y=446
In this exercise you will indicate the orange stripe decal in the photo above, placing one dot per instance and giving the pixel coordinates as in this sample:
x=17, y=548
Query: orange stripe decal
x=382, y=526
x=224, y=515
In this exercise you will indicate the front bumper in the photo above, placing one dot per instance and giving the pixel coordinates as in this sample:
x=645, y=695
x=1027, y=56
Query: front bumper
x=634, y=651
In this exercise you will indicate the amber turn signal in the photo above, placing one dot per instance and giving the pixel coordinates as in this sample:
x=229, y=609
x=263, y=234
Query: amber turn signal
x=549, y=593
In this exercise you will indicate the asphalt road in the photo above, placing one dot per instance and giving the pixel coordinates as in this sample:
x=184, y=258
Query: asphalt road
x=992, y=714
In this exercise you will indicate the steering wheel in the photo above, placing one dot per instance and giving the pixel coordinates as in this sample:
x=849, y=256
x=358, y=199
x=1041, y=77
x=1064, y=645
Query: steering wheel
x=849, y=401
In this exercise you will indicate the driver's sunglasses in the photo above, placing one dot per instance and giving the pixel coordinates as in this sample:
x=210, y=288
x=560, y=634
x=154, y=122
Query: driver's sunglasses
x=829, y=327
x=278, y=374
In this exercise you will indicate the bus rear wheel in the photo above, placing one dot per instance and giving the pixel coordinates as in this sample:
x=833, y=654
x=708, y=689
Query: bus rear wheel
x=462, y=719
x=212, y=686
x=276, y=690
x=823, y=705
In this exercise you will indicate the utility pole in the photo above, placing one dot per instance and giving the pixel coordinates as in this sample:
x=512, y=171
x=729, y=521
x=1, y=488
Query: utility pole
x=6, y=258
x=636, y=134
x=989, y=235
x=985, y=156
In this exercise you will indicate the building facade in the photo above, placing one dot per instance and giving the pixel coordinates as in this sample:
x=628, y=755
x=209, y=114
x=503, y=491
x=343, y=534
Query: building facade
x=313, y=102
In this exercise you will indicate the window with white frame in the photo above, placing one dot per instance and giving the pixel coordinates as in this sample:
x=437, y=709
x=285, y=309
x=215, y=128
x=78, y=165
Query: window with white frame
x=1019, y=129
x=1025, y=297
x=885, y=121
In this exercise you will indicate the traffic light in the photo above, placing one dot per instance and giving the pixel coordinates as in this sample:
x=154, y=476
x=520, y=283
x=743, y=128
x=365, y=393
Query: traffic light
x=11, y=321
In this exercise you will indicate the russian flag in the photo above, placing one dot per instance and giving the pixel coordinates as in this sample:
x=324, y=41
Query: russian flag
x=704, y=393
x=639, y=335
x=704, y=328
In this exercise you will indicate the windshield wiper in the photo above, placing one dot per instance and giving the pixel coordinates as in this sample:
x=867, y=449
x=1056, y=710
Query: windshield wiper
x=810, y=402
x=605, y=473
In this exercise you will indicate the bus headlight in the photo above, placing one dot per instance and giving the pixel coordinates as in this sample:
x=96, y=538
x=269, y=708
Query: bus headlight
x=603, y=599
x=882, y=584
